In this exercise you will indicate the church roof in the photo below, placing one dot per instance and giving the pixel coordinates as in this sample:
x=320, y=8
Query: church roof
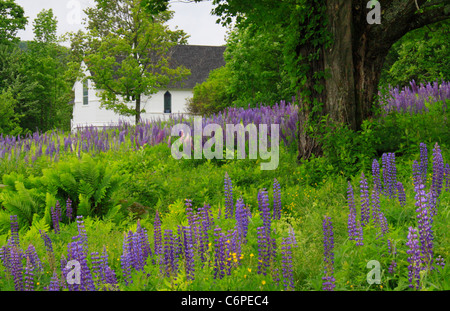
x=200, y=59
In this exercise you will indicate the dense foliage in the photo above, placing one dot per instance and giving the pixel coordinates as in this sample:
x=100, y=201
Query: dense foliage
x=141, y=220
x=33, y=80
x=421, y=55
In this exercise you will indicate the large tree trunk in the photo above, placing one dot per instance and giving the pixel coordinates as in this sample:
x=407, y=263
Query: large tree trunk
x=309, y=96
x=354, y=60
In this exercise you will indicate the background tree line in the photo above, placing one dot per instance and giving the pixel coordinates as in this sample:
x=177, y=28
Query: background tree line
x=126, y=49
x=35, y=89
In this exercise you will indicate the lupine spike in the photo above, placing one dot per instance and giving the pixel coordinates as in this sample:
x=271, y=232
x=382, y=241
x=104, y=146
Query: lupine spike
x=413, y=259
x=286, y=263
x=365, y=202
x=423, y=162
x=328, y=253
x=438, y=170
x=351, y=222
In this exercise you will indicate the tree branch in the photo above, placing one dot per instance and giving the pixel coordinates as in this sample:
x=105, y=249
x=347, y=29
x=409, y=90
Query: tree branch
x=401, y=17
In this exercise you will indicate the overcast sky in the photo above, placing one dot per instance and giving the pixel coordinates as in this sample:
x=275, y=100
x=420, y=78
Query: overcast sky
x=194, y=18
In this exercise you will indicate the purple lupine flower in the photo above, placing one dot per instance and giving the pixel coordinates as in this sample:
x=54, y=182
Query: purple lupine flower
x=286, y=263
x=72, y=254
x=447, y=177
x=376, y=174
x=220, y=261
x=82, y=235
x=178, y=249
x=263, y=203
x=423, y=162
x=188, y=253
x=189, y=213
x=392, y=267
x=54, y=283
x=16, y=268
x=29, y=276
x=391, y=248
x=104, y=264
x=228, y=191
x=207, y=217
x=5, y=256
x=417, y=175
x=424, y=220
x=125, y=261
x=33, y=257
x=401, y=194
x=64, y=271
x=413, y=259
x=234, y=247
x=69, y=209
x=77, y=252
x=351, y=222
x=389, y=174
x=438, y=170
x=432, y=203
x=56, y=214
x=385, y=165
x=14, y=231
x=263, y=251
x=276, y=199
x=440, y=262
x=292, y=236
x=134, y=251
x=378, y=217
x=157, y=235
x=97, y=267
x=241, y=219
x=276, y=276
x=365, y=202
x=170, y=261
x=204, y=234
x=392, y=171
x=328, y=245
x=359, y=234
x=111, y=279
x=47, y=241
x=142, y=237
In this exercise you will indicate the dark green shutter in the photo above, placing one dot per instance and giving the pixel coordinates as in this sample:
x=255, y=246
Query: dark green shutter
x=167, y=102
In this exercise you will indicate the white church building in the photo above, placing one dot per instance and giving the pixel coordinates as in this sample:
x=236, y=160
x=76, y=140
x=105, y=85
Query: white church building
x=172, y=100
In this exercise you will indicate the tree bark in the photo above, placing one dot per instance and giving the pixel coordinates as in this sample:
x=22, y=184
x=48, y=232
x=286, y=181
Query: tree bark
x=309, y=96
x=138, y=109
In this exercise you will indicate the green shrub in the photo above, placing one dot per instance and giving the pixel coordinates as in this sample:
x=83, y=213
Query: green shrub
x=90, y=185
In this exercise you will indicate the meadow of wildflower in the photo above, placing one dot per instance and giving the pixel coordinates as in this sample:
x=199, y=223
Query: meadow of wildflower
x=116, y=205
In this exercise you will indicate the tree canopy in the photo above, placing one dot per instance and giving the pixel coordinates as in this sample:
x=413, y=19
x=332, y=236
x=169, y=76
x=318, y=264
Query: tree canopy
x=12, y=19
